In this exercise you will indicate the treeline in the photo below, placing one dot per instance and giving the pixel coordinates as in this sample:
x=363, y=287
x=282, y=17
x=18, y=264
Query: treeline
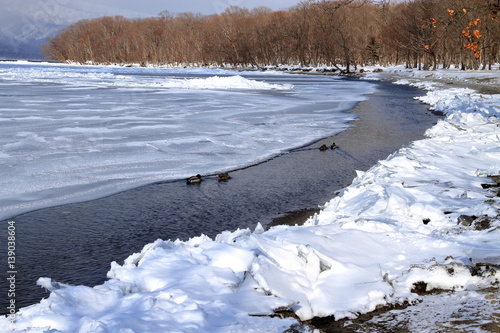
x=343, y=34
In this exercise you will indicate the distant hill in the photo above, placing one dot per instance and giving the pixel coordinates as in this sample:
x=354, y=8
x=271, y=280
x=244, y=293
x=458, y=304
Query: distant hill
x=12, y=49
x=26, y=24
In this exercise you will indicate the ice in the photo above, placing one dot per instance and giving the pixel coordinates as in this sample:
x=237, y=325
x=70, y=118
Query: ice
x=100, y=78
x=75, y=133
x=215, y=82
x=395, y=227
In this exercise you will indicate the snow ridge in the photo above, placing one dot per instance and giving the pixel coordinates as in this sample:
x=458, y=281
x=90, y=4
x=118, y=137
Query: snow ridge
x=397, y=225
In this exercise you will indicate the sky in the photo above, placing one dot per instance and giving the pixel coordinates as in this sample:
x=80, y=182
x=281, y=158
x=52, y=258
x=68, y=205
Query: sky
x=143, y=8
x=68, y=11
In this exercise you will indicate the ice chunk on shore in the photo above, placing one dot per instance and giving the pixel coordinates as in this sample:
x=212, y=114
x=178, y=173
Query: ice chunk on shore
x=223, y=82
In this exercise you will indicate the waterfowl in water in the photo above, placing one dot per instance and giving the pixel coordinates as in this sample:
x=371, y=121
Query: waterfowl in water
x=223, y=177
x=334, y=146
x=323, y=148
x=194, y=180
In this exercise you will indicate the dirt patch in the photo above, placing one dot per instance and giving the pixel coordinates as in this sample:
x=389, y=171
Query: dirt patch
x=298, y=217
x=443, y=312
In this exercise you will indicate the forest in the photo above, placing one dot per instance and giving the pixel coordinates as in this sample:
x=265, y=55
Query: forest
x=343, y=34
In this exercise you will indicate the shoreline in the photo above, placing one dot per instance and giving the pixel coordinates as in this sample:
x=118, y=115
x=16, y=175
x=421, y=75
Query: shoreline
x=370, y=315
x=275, y=189
x=482, y=81
x=451, y=306
x=163, y=154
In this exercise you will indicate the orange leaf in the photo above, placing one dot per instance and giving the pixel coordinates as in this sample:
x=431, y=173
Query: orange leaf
x=464, y=10
x=427, y=47
x=451, y=12
x=477, y=34
x=433, y=20
x=477, y=54
x=475, y=22
x=465, y=33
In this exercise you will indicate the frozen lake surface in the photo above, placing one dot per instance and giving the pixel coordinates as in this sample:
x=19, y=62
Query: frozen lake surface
x=421, y=217
x=75, y=243
x=73, y=133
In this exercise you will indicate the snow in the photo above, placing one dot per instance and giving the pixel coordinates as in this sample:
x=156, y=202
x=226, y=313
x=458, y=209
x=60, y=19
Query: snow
x=395, y=226
x=217, y=82
x=76, y=133
x=439, y=77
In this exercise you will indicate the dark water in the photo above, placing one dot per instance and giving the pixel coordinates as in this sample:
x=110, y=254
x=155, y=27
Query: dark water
x=76, y=243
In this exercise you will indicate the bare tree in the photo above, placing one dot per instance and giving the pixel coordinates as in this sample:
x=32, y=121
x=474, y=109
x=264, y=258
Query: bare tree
x=342, y=33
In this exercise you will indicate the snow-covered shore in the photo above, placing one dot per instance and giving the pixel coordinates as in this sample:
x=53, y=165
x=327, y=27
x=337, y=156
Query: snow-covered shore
x=420, y=217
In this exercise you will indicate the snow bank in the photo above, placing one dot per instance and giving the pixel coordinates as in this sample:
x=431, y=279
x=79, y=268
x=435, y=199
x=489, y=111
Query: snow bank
x=399, y=226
